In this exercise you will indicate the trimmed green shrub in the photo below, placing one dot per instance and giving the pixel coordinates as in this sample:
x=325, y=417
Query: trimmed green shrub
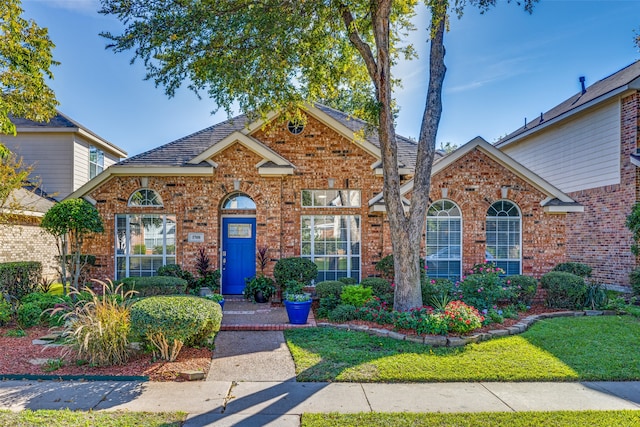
x=577, y=268
x=564, y=290
x=5, y=311
x=169, y=322
x=634, y=279
x=45, y=303
x=29, y=314
x=523, y=288
x=18, y=279
x=329, y=288
x=380, y=287
x=355, y=295
x=348, y=280
x=326, y=305
x=259, y=283
x=174, y=270
x=343, y=313
x=154, y=285
x=302, y=270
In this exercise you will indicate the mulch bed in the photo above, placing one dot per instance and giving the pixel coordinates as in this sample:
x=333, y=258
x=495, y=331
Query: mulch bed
x=18, y=353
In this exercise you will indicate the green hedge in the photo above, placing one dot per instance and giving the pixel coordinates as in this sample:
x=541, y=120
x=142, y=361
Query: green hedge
x=523, y=288
x=18, y=279
x=577, y=268
x=154, y=285
x=380, y=287
x=302, y=270
x=564, y=290
x=33, y=309
x=329, y=288
x=190, y=320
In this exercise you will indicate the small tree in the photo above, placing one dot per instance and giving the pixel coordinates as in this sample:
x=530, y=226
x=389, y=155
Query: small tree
x=70, y=221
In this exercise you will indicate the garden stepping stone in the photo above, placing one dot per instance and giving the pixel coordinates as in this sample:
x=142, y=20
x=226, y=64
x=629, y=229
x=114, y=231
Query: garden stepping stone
x=38, y=361
x=51, y=337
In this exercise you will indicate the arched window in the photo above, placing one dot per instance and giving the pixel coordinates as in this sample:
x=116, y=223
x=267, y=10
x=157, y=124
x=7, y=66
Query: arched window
x=145, y=197
x=503, y=236
x=444, y=240
x=238, y=201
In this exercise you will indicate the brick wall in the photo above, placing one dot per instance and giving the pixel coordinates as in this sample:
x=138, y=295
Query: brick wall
x=319, y=153
x=29, y=242
x=598, y=236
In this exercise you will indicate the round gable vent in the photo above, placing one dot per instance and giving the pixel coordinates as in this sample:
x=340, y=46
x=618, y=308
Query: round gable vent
x=295, y=127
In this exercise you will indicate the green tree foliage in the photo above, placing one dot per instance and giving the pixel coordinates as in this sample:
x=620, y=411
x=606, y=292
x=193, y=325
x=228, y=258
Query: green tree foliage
x=70, y=221
x=278, y=54
x=25, y=62
x=13, y=175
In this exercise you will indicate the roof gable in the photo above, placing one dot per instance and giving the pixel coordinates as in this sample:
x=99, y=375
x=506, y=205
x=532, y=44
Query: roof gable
x=556, y=200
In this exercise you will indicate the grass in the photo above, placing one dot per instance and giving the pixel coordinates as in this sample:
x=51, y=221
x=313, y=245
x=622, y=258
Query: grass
x=561, y=349
x=46, y=418
x=494, y=419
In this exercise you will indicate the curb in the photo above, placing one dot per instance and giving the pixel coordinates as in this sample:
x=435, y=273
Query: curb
x=35, y=377
x=449, y=341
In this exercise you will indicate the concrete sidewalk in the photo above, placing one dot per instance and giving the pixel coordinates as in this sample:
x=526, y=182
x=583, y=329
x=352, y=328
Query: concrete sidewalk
x=281, y=403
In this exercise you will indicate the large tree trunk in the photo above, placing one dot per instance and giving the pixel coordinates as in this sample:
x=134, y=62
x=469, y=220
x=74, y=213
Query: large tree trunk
x=406, y=229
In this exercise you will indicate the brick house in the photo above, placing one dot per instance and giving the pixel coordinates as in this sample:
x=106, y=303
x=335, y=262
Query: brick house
x=587, y=146
x=314, y=190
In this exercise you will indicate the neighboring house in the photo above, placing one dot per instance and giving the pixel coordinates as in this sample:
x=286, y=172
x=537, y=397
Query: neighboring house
x=587, y=146
x=314, y=190
x=24, y=240
x=64, y=154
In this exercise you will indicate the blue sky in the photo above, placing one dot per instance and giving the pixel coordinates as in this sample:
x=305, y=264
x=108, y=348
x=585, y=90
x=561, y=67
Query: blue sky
x=503, y=66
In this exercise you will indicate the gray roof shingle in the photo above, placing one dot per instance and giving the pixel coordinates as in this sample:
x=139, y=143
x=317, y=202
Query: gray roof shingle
x=178, y=153
x=602, y=87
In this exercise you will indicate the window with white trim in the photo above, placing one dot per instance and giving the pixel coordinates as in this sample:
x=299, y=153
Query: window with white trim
x=238, y=201
x=144, y=242
x=503, y=232
x=96, y=161
x=330, y=198
x=444, y=240
x=145, y=197
x=332, y=242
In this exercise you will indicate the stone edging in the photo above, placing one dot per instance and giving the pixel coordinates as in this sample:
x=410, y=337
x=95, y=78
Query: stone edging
x=448, y=341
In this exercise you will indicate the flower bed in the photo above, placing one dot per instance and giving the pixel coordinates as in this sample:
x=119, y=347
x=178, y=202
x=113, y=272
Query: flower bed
x=20, y=357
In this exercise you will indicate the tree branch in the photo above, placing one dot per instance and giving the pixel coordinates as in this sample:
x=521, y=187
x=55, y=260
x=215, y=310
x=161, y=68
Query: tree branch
x=358, y=43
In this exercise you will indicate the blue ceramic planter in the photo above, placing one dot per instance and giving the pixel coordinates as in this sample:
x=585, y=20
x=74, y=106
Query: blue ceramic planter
x=221, y=302
x=298, y=312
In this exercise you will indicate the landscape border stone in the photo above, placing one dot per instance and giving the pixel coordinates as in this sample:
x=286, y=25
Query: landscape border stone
x=454, y=341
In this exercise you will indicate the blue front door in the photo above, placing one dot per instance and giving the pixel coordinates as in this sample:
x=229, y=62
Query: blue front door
x=238, y=253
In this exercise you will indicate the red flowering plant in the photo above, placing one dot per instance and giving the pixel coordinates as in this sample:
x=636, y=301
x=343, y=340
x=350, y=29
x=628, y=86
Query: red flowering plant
x=462, y=318
x=483, y=287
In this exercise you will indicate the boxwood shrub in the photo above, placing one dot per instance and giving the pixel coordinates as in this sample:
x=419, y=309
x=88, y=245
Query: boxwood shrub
x=329, y=288
x=355, y=295
x=302, y=270
x=380, y=287
x=154, y=285
x=169, y=322
x=18, y=279
x=564, y=290
x=634, y=279
x=523, y=288
x=577, y=268
x=36, y=308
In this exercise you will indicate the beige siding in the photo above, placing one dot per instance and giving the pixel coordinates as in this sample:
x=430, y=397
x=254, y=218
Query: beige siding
x=81, y=162
x=581, y=154
x=51, y=155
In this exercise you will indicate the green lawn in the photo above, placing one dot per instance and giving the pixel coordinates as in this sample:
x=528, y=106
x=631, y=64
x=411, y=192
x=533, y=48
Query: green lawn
x=64, y=418
x=494, y=419
x=562, y=349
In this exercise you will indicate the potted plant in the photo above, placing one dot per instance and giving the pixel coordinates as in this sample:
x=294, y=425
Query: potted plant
x=297, y=302
x=259, y=289
x=219, y=298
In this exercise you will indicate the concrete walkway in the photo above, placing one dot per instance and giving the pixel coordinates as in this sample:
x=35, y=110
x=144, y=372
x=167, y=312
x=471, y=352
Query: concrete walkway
x=227, y=403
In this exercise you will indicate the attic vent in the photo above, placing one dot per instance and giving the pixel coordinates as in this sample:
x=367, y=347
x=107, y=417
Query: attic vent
x=295, y=127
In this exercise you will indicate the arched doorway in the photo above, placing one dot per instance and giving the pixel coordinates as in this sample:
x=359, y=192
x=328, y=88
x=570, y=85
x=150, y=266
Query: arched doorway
x=238, y=247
